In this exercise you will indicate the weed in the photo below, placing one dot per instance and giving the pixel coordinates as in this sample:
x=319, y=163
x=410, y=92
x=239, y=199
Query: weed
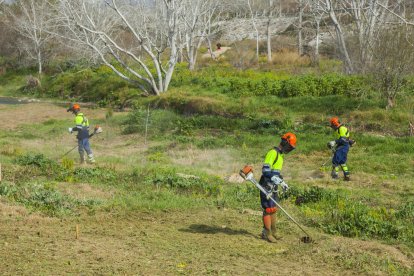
x=44, y=197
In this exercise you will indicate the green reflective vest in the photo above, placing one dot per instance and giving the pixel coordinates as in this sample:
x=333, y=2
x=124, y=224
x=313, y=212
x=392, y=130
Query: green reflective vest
x=274, y=159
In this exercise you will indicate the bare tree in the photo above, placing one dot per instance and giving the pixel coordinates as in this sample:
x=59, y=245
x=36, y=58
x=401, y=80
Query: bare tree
x=301, y=6
x=317, y=15
x=199, y=18
x=253, y=15
x=365, y=19
x=149, y=60
x=271, y=10
x=332, y=8
x=369, y=17
x=392, y=62
x=32, y=20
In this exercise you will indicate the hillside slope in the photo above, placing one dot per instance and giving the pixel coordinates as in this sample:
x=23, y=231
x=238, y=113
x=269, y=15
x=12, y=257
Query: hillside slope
x=122, y=239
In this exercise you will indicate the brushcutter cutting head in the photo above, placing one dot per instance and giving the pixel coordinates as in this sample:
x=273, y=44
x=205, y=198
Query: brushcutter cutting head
x=246, y=172
x=306, y=239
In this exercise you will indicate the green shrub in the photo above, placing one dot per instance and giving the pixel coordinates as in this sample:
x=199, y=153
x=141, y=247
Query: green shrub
x=45, y=164
x=252, y=83
x=170, y=178
x=337, y=213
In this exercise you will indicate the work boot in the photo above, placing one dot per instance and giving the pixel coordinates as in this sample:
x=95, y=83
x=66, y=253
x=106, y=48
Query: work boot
x=347, y=178
x=82, y=159
x=267, y=235
x=335, y=172
x=267, y=225
x=273, y=226
x=91, y=159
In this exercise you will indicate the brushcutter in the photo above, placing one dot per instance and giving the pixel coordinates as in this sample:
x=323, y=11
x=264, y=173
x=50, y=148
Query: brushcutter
x=329, y=159
x=247, y=174
x=96, y=130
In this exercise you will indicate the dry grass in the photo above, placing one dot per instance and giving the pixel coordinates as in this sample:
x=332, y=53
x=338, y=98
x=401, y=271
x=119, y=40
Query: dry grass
x=35, y=113
x=285, y=57
x=85, y=191
x=221, y=162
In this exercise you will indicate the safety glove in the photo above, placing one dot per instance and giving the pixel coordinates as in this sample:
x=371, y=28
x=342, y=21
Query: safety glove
x=278, y=180
x=331, y=145
x=70, y=130
x=284, y=186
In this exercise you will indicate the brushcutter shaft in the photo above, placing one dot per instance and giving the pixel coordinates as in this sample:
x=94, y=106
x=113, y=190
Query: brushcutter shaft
x=69, y=151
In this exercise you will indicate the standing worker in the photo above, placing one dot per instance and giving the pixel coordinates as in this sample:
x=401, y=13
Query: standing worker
x=271, y=179
x=82, y=127
x=340, y=147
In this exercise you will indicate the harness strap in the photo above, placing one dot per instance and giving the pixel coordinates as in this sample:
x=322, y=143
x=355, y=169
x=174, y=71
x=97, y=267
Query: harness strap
x=277, y=157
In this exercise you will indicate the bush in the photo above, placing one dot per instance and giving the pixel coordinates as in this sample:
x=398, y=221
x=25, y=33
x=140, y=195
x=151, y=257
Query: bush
x=336, y=213
x=44, y=197
x=170, y=178
x=252, y=83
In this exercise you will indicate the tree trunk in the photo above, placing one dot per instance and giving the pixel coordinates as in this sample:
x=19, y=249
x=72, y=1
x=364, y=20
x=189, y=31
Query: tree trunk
x=300, y=42
x=269, y=41
x=39, y=63
x=341, y=41
x=256, y=30
x=316, y=61
x=390, y=102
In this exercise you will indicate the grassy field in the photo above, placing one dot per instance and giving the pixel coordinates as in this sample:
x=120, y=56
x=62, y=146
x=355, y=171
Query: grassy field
x=165, y=196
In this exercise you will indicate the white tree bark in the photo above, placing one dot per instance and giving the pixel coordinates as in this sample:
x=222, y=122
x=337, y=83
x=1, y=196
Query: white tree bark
x=330, y=8
x=149, y=61
x=369, y=19
x=270, y=10
x=199, y=16
x=317, y=15
x=253, y=18
x=300, y=27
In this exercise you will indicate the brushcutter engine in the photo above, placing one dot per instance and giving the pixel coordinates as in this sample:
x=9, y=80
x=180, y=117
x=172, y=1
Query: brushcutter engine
x=97, y=130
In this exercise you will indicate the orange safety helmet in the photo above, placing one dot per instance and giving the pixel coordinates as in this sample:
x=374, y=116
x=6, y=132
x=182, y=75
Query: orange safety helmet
x=288, y=142
x=73, y=107
x=334, y=121
x=76, y=106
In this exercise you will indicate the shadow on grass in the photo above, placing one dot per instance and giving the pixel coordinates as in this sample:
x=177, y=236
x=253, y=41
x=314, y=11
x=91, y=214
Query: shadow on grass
x=209, y=229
